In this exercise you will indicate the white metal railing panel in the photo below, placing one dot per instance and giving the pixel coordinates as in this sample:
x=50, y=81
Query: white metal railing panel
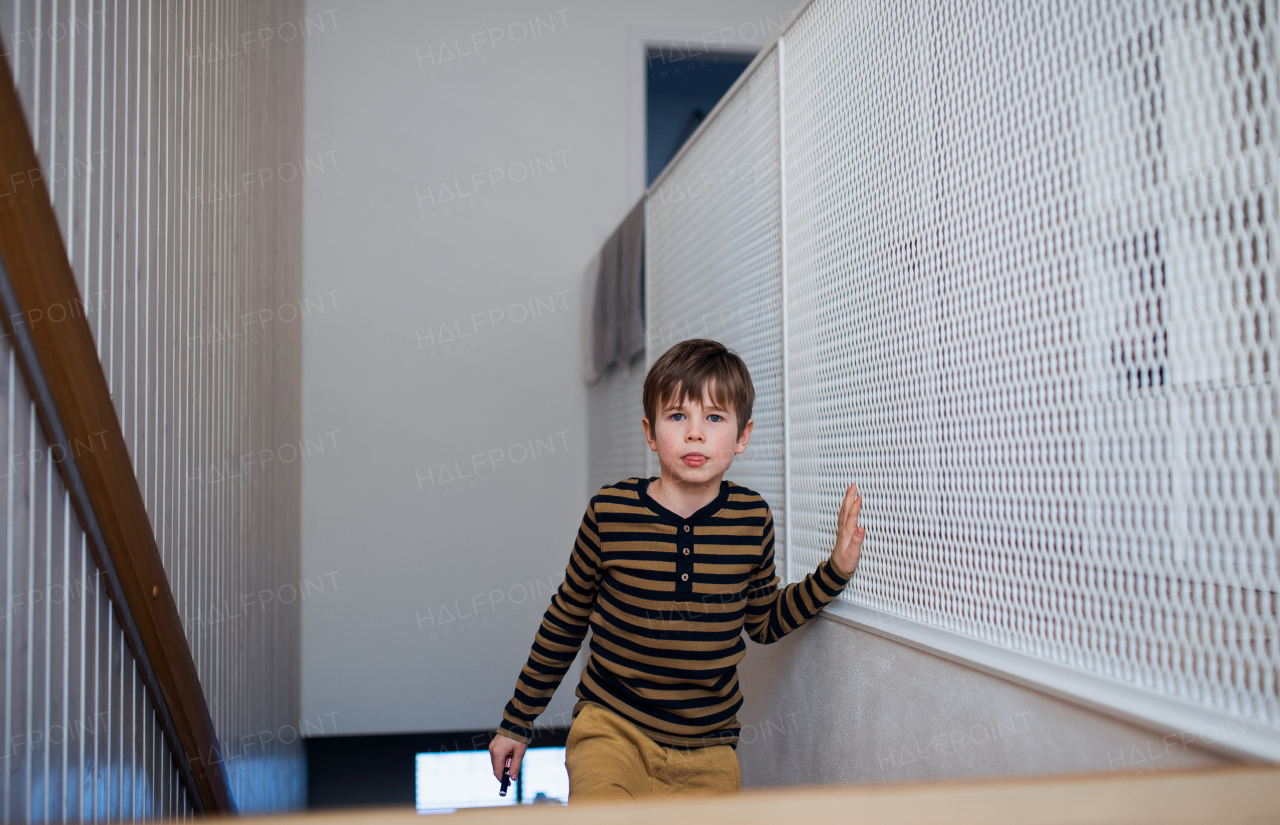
x=170, y=140
x=713, y=268
x=1031, y=311
x=81, y=741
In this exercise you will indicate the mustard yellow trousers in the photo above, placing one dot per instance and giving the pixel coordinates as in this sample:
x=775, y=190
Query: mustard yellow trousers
x=610, y=758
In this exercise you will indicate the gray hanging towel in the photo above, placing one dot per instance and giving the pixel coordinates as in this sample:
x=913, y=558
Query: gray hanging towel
x=605, y=319
x=617, y=318
x=631, y=330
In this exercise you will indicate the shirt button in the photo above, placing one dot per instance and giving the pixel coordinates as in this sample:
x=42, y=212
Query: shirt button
x=686, y=551
x=686, y=528
x=684, y=577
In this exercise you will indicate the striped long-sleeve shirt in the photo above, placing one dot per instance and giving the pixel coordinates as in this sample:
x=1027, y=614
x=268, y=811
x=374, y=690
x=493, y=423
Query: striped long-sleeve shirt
x=666, y=599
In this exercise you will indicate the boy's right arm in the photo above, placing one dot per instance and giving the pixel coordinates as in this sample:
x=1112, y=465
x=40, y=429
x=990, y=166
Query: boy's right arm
x=555, y=645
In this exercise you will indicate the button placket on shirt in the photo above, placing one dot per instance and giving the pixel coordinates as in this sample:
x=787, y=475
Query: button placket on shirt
x=684, y=559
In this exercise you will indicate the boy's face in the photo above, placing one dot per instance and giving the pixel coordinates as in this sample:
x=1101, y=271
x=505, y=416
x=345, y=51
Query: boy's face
x=696, y=440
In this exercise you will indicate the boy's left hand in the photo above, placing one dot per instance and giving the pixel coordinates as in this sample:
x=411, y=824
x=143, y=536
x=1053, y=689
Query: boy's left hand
x=849, y=535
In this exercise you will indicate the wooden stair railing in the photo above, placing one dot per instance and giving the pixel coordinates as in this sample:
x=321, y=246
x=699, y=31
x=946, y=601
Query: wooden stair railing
x=73, y=403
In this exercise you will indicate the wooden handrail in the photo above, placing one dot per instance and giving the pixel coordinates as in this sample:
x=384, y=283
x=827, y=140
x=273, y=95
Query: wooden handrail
x=43, y=314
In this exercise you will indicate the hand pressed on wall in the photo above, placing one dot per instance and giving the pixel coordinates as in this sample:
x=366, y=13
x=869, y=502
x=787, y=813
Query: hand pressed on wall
x=849, y=535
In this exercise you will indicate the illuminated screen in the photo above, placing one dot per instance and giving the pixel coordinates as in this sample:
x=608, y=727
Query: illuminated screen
x=543, y=777
x=464, y=779
x=447, y=782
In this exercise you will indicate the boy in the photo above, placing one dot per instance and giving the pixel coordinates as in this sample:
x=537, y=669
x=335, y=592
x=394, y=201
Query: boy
x=667, y=572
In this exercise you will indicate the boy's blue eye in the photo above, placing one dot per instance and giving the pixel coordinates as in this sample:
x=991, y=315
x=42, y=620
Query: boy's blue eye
x=716, y=417
x=677, y=416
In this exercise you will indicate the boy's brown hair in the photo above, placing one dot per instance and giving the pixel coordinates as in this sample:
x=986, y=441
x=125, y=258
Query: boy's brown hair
x=691, y=368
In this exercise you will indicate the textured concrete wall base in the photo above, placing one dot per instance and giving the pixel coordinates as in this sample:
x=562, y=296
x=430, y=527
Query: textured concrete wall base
x=833, y=704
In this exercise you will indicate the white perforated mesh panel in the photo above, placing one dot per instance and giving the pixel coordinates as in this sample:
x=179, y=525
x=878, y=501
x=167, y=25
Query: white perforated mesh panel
x=714, y=264
x=615, y=436
x=1031, y=311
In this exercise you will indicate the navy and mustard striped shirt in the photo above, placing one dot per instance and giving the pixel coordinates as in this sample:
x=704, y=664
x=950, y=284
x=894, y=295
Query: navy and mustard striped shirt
x=666, y=599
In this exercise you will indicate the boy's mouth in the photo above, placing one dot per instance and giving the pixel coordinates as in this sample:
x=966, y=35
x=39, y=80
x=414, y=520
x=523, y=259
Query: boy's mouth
x=695, y=459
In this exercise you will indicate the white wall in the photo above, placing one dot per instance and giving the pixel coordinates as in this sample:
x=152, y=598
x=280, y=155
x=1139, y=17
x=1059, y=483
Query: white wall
x=409, y=122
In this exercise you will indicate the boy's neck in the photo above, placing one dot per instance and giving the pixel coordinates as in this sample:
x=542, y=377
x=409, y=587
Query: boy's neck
x=682, y=498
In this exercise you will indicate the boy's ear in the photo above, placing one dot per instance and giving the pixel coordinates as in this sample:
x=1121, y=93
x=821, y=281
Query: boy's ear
x=745, y=437
x=649, y=435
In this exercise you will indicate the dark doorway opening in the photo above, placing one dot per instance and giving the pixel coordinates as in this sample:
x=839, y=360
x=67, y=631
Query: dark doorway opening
x=681, y=88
